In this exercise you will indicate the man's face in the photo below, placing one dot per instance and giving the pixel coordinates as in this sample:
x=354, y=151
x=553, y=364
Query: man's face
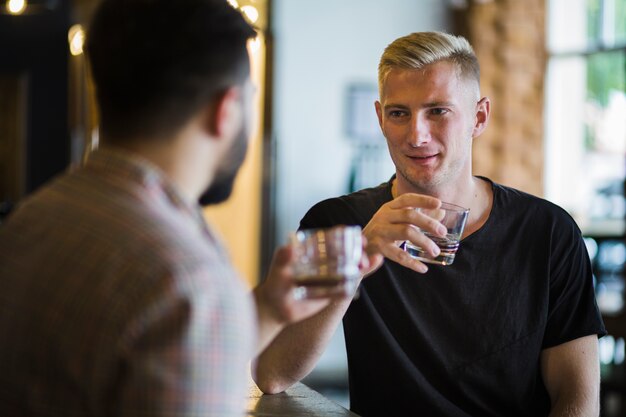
x=222, y=185
x=428, y=117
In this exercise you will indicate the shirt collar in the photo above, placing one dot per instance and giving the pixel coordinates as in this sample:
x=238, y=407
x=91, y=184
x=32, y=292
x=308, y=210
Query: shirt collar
x=129, y=166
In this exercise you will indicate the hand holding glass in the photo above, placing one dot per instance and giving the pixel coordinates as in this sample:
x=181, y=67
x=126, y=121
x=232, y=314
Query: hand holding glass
x=454, y=218
x=326, y=261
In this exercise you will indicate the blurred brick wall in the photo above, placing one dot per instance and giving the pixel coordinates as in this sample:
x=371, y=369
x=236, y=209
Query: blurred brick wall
x=508, y=37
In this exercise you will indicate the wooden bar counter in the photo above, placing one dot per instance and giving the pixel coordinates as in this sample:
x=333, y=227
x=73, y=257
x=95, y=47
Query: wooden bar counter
x=297, y=401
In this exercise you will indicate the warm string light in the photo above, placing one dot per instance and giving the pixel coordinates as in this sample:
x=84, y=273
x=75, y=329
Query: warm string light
x=251, y=13
x=16, y=6
x=76, y=39
x=254, y=45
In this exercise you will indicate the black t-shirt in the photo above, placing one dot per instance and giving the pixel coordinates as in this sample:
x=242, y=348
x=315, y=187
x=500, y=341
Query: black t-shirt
x=465, y=339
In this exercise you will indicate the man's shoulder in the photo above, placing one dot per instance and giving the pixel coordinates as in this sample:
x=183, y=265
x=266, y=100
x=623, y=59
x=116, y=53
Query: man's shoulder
x=121, y=220
x=374, y=195
x=116, y=236
x=353, y=208
x=513, y=200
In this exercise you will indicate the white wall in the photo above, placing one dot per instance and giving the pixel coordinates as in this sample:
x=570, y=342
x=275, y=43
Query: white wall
x=321, y=46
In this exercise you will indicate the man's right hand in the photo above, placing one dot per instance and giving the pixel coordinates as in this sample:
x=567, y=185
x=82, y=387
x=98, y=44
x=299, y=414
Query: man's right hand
x=400, y=220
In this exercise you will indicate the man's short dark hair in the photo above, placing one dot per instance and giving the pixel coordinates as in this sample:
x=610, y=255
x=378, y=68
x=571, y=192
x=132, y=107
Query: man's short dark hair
x=156, y=62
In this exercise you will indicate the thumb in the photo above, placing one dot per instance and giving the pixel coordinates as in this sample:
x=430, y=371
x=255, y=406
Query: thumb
x=371, y=264
x=282, y=257
x=281, y=260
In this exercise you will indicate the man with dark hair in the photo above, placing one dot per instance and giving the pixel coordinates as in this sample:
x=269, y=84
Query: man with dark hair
x=117, y=298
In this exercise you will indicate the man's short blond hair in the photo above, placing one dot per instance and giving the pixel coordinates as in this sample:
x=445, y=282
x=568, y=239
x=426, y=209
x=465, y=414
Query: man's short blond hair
x=419, y=49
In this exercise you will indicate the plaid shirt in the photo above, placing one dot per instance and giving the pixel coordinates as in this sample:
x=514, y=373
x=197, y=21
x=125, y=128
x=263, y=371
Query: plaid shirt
x=116, y=299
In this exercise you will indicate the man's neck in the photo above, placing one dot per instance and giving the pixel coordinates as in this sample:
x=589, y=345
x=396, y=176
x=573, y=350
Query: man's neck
x=181, y=159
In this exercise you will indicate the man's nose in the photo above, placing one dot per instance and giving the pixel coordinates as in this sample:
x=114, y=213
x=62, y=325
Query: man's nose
x=420, y=131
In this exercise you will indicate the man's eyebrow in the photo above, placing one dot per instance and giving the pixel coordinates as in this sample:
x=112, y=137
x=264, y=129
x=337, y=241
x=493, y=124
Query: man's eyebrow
x=395, y=105
x=424, y=106
x=438, y=104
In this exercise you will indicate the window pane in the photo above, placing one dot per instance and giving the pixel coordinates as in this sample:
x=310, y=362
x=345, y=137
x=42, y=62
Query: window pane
x=565, y=134
x=586, y=139
x=567, y=25
x=583, y=25
x=620, y=22
x=606, y=85
x=594, y=21
x=605, y=135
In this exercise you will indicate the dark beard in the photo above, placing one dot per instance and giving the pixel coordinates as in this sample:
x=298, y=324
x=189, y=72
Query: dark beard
x=217, y=192
x=222, y=186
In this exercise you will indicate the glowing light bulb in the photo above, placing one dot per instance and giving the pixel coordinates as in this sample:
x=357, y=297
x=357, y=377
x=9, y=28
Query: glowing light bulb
x=76, y=39
x=251, y=13
x=233, y=3
x=16, y=6
x=254, y=45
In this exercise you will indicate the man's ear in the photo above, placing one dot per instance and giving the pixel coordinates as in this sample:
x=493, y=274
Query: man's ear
x=379, y=113
x=226, y=113
x=483, y=109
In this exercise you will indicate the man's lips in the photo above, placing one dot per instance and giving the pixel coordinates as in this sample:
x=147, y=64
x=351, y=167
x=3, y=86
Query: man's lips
x=423, y=158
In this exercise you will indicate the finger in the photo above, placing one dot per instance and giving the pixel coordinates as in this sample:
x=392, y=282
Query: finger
x=370, y=264
x=400, y=256
x=425, y=220
x=425, y=243
x=412, y=200
x=375, y=262
x=283, y=257
x=437, y=214
x=280, y=268
x=387, y=236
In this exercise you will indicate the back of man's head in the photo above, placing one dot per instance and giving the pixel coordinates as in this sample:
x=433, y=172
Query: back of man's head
x=417, y=50
x=155, y=63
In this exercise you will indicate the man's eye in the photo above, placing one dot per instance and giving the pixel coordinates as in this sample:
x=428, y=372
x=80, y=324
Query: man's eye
x=438, y=111
x=396, y=113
